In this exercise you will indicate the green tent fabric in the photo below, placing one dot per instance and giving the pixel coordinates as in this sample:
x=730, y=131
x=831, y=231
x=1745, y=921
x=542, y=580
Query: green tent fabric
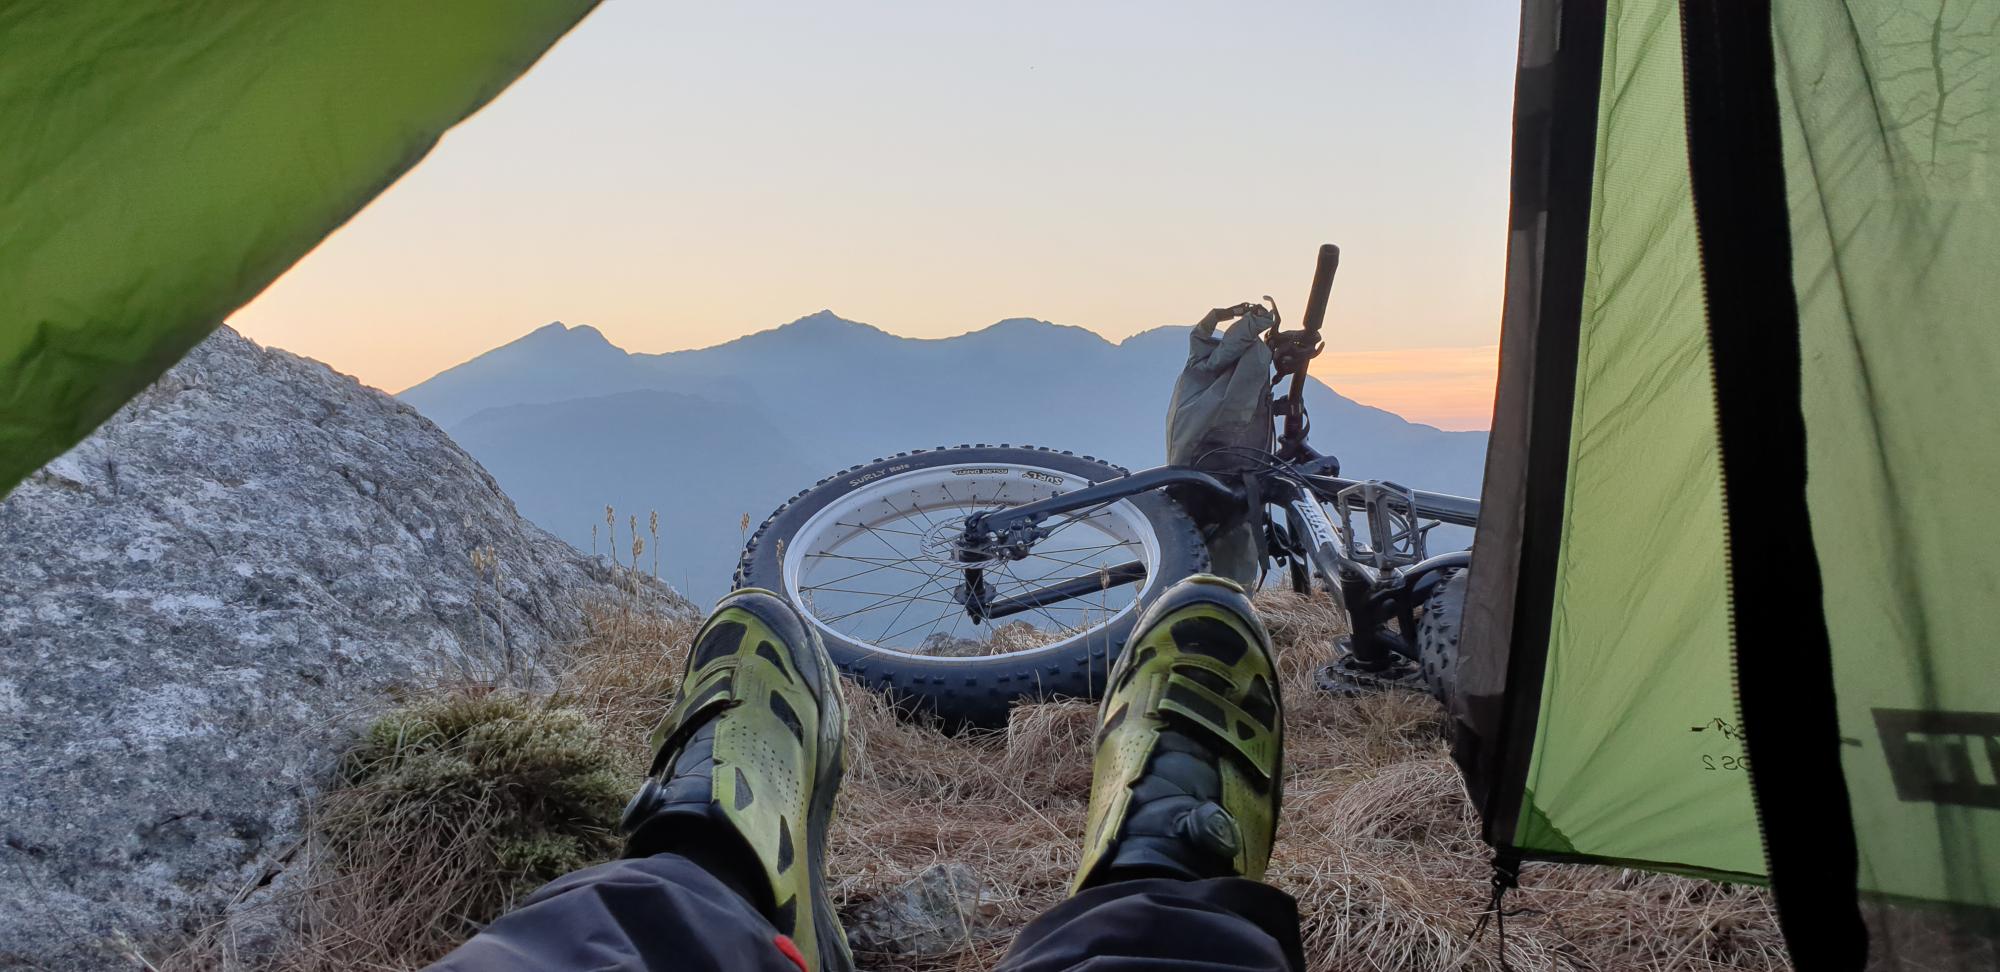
x=1638, y=649
x=161, y=161
x=1895, y=230
x=1734, y=600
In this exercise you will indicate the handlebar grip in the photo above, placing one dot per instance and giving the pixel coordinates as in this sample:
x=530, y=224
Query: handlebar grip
x=1329, y=261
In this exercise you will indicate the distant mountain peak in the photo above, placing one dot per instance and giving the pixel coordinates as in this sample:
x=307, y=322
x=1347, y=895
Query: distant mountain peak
x=822, y=318
x=826, y=323
x=1031, y=329
x=1017, y=324
x=554, y=349
x=567, y=334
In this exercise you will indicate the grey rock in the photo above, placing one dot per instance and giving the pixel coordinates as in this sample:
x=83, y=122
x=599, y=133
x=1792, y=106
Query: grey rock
x=202, y=601
x=938, y=911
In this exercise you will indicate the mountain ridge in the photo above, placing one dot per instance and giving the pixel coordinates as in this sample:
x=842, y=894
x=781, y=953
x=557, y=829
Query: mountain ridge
x=431, y=395
x=768, y=413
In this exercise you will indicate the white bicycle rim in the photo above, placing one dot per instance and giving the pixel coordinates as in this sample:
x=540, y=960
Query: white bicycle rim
x=877, y=567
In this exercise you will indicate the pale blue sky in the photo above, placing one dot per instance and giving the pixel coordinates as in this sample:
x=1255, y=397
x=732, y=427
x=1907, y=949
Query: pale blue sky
x=678, y=174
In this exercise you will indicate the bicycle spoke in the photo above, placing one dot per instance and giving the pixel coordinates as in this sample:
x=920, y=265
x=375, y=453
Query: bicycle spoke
x=878, y=536
x=1120, y=543
x=890, y=599
x=1052, y=618
x=894, y=553
x=905, y=596
x=929, y=524
x=864, y=526
x=1079, y=565
x=934, y=623
x=884, y=636
x=953, y=633
x=895, y=566
x=885, y=561
x=1094, y=513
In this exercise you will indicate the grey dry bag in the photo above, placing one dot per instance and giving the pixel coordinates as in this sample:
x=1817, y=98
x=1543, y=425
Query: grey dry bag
x=1219, y=419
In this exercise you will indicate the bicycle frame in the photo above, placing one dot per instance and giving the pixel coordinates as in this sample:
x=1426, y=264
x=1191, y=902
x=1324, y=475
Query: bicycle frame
x=1375, y=584
x=1372, y=588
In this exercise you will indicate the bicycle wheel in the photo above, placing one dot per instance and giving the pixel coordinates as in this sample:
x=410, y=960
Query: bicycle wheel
x=1438, y=631
x=868, y=556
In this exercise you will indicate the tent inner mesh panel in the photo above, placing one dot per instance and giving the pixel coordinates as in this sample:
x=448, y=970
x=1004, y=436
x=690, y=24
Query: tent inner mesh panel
x=1890, y=114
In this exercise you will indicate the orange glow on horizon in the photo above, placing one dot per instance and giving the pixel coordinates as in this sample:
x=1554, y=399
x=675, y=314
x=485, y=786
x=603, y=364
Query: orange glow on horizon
x=680, y=176
x=1451, y=388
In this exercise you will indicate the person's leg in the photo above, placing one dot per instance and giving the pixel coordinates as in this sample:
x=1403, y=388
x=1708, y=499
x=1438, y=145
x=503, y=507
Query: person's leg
x=1212, y=925
x=726, y=840
x=1183, y=804
x=660, y=912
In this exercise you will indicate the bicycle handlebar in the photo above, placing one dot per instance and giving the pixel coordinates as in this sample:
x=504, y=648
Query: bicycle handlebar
x=1329, y=261
x=1293, y=350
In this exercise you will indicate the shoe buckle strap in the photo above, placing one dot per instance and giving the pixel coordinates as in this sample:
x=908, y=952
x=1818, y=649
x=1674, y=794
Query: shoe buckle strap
x=686, y=723
x=1225, y=720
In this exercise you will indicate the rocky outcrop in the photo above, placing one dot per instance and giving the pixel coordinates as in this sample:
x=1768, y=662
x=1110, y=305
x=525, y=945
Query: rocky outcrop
x=202, y=600
x=942, y=909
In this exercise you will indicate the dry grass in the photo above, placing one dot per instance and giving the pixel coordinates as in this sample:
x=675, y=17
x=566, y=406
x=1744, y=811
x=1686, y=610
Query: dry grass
x=1378, y=842
x=1001, y=639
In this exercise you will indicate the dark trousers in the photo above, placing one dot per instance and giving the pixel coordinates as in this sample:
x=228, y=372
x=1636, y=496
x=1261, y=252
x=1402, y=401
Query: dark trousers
x=664, y=912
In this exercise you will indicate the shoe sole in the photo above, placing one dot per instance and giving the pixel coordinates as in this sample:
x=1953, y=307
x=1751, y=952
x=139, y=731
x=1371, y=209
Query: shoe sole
x=834, y=954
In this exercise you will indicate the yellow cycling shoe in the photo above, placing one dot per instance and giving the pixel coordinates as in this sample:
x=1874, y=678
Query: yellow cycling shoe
x=752, y=748
x=1187, y=778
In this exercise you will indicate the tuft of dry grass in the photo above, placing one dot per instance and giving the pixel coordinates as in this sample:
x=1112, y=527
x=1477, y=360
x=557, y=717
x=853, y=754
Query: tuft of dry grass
x=441, y=817
x=1378, y=842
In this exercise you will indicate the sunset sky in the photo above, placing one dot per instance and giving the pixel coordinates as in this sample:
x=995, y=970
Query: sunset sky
x=681, y=174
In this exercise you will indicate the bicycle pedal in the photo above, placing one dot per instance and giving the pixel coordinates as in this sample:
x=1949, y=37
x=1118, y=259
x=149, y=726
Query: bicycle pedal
x=1342, y=677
